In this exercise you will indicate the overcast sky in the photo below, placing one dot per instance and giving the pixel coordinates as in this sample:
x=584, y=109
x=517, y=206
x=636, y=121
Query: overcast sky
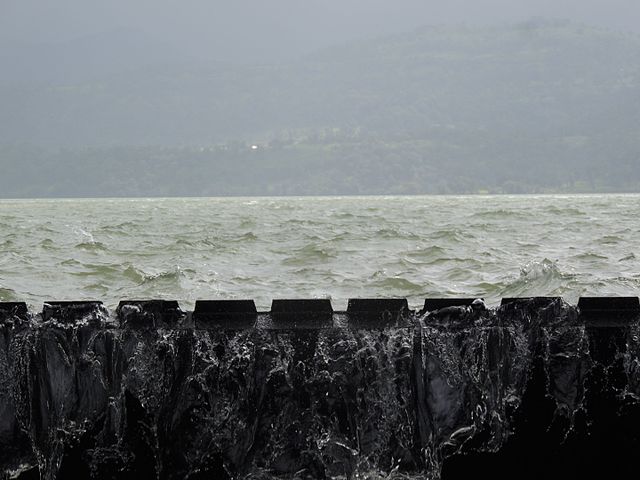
x=253, y=29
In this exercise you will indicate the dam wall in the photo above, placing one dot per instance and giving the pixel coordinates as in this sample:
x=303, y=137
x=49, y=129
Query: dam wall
x=532, y=388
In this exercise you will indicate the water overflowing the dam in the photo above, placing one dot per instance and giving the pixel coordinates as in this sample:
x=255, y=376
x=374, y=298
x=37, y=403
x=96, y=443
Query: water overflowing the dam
x=302, y=391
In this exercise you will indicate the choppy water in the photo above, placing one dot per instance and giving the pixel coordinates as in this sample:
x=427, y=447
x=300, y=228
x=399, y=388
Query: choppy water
x=337, y=247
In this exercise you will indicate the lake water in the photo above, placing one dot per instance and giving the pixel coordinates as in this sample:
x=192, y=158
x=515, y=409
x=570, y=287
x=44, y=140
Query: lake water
x=336, y=247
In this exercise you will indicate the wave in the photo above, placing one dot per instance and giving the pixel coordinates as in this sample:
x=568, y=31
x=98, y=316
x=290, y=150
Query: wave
x=70, y=262
x=96, y=289
x=565, y=211
x=181, y=242
x=8, y=295
x=453, y=235
x=427, y=253
x=343, y=215
x=47, y=244
x=246, y=237
x=247, y=223
x=91, y=246
x=141, y=277
x=309, y=253
x=133, y=274
x=200, y=242
x=296, y=222
x=393, y=233
x=590, y=256
x=398, y=286
x=502, y=214
x=122, y=227
x=446, y=265
x=539, y=278
x=610, y=240
x=92, y=270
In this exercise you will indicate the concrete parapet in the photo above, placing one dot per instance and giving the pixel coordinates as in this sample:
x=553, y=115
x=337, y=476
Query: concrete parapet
x=73, y=312
x=230, y=314
x=378, y=312
x=302, y=313
x=143, y=314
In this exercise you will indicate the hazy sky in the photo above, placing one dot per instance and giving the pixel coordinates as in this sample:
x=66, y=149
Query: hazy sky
x=252, y=29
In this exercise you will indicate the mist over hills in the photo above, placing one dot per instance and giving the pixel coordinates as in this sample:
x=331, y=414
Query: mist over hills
x=541, y=106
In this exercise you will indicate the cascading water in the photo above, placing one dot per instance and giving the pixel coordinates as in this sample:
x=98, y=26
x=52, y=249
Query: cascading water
x=439, y=394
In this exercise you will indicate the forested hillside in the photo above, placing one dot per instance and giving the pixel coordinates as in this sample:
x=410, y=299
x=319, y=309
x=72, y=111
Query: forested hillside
x=536, y=107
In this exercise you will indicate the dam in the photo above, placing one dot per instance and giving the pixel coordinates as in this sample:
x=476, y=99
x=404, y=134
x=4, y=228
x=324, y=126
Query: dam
x=533, y=387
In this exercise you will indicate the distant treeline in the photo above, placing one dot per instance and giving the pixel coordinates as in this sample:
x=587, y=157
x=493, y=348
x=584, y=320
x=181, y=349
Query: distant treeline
x=336, y=164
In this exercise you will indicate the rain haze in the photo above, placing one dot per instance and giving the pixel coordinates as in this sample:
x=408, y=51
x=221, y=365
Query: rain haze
x=255, y=30
x=297, y=97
